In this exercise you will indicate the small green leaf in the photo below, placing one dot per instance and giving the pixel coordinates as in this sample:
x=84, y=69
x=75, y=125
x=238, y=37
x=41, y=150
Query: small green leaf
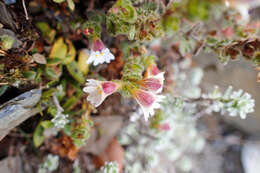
x=38, y=137
x=59, y=49
x=70, y=103
x=50, y=73
x=48, y=93
x=47, y=31
x=74, y=71
x=29, y=74
x=6, y=42
x=46, y=124
x=54, y=61
x=171, y=23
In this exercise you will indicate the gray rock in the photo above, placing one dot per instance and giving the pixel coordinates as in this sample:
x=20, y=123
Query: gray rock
x=108, y=126
x=5, y=17
x=10, y=165
x=251, y=156
x=17, y=110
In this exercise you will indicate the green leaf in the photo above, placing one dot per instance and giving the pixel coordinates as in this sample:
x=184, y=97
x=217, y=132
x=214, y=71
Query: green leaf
x=82, y=59
x=59, y=49
x=171, y=23
x=52, y=110
x=3, y=89
x=29, y=74
x=70, y=103
x=212, y=41
x=198, y=9
x=47, y=94
x=54, y=61
x=131, y=32
x=47, y=31
x=6, y=42
x=74, y=71
x=50, y=73
x=38, y=137
x=46, y=124
x=71, y=54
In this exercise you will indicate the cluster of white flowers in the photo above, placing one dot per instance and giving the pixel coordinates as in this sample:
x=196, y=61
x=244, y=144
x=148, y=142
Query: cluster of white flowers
x=110, y=167
x=231, y=102
x=60, y=119
x=50, y=164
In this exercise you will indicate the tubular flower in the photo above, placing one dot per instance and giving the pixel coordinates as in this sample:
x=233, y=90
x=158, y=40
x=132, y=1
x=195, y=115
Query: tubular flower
x=99, y=90
x=153, y=83
x=152, y=70
x=147, y=100
x=99, y=54
x=165, y=127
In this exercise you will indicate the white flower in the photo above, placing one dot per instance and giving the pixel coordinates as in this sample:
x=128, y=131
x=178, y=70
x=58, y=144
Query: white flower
x=148, y=101
x=99, y=53
x=60, y=120
x=99, y=90
x=110, y=167
x=99, y=57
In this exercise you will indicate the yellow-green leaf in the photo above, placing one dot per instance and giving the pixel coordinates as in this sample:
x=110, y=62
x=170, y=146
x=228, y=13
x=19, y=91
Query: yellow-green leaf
x=47, y=31
x=59, y=49
x=82, y=59
x=38, y=137
x=70, y=56
x=74, y=71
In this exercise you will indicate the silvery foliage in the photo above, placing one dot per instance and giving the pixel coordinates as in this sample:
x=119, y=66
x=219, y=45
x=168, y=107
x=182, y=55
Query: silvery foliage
x=50, y=164
x=186, y=82
x=76, y=167
x=110, y=167
x=60, y=119
x=233, y=103
x=150, y=150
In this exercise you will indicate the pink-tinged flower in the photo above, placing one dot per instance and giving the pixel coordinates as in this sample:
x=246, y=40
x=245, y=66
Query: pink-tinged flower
x=153, y=83
x=152, y=70
x=99, y=53
x=228, y=32
x=147, y=100
x=99, y=90
x=165, y=127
